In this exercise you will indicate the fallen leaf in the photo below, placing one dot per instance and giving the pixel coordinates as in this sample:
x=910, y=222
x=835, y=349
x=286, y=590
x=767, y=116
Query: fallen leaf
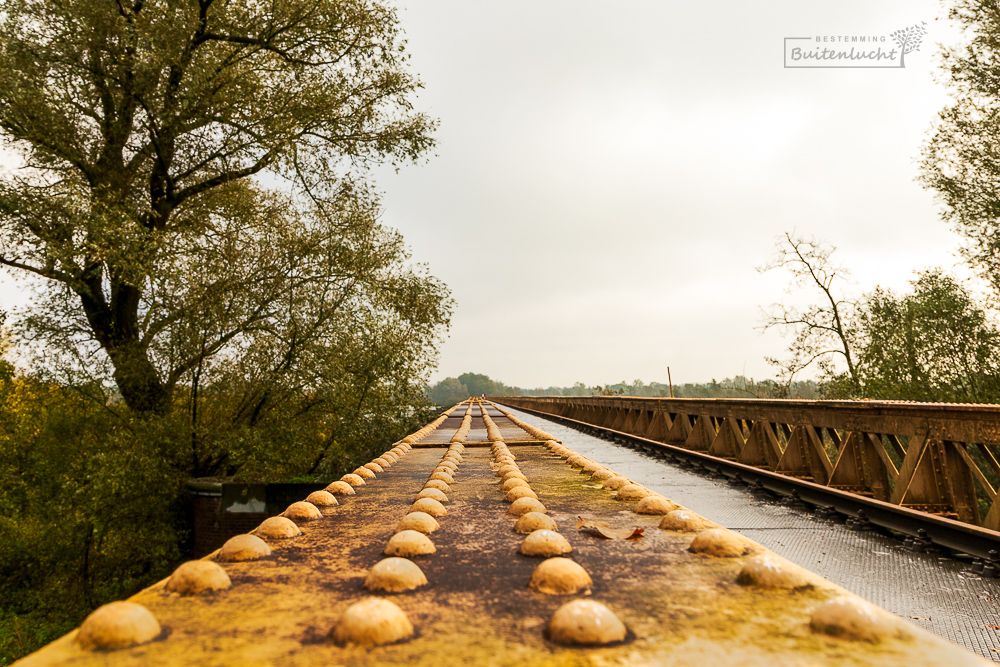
x=921, y=618
x=993, y=625
x=603, y=530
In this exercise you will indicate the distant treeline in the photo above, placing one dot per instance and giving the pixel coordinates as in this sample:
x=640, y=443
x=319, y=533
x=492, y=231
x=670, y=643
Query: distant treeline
x=451, y=390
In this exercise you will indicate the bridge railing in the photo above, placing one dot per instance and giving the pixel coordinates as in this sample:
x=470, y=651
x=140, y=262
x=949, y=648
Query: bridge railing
x=933, y=457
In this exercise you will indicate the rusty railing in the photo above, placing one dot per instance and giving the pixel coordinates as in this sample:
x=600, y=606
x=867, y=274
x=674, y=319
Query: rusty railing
x=932, y=457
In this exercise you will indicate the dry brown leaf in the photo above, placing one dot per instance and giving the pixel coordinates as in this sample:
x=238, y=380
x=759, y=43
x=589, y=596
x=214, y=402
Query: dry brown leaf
x=603, y=530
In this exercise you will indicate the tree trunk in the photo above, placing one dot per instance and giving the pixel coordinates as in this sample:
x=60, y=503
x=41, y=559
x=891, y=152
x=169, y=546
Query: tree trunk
x=138, y=381
x=115, y=327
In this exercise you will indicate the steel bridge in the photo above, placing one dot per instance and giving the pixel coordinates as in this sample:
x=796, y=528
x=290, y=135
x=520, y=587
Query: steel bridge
x=644, y=578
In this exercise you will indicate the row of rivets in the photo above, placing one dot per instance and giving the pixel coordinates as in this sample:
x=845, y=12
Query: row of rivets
x=375, y=621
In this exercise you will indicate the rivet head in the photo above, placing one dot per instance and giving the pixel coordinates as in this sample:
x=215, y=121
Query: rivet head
x=198, y=576
x=243, y=547
x=353, y=480
x=429, y=506
x=435, y=494
x=560, y=576
x=720, y=543
x=437, y=484
x=117, y=625
x=532, y=521
x=407, y=543
x=302, y=511
x=854, y=619
x=616, y=483
x=372, y=622
x=277, y=527
x=768, y=571
x=545, y=543
x=519, y=492
x=632, y=492
x=511, y=483
x=322, y=499
x=422, y=522
x=585, y=622
x=654, y=504
x=683, y=520
x=522, y=506
x=341, y=489
x=395, y=575
x=603, y=475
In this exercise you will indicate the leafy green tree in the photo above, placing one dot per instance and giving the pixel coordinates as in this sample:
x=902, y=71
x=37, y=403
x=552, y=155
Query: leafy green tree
x=478, y=384
x=449, y=391
x=934, y=344
x=278, y=316
x=960, y=160
x=90, y=509
x=141, y=125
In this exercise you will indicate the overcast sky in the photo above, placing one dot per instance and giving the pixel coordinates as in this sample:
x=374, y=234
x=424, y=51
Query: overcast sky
x=609, y=175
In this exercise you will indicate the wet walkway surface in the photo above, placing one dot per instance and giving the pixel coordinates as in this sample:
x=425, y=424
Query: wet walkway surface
x=937, y=593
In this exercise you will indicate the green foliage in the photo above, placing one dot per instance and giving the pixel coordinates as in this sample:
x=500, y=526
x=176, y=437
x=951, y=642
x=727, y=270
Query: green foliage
x=90, y=509
x=141, y=125
x=934, y=344
x=481, y=384
x=448, y=392
x=453, y=390
x=960, y=160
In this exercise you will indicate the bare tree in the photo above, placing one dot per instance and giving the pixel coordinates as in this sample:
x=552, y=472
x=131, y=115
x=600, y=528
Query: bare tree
x=822, y=331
